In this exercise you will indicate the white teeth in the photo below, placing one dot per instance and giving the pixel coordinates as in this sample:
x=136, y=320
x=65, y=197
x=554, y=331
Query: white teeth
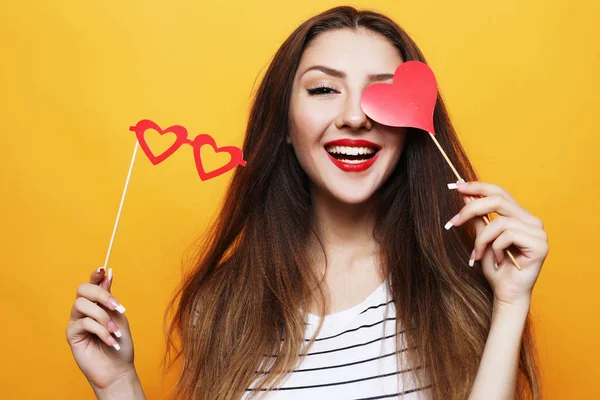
x=350, y=150
x=353, y=161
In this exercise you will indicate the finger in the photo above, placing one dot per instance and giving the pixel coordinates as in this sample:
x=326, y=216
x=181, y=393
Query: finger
x=87, y=324
x=85, y=308
x=487, y=189
x=487, y=205
x=495, y=228
x=99, y=295
x=107, y=281
x=97, y=275
x=529, y=246
x=484, y=189
x=479, y=223
x=110, y=279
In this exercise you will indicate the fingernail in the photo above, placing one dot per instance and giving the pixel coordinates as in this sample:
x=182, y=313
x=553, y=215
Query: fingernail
x=452, y=186
x=114, y=343
x=99, y=269
x=450, y=223
x=116, y=305
x=110, y=274
x=462, y=184
x=472, y=259
x=496, y=265
x=114, y=329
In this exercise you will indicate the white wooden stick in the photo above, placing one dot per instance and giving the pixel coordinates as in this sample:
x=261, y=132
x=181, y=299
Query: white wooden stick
x=112, y=239
x=485, y=218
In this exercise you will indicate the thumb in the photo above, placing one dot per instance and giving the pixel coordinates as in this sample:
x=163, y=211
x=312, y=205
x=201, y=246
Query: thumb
x=107, y=281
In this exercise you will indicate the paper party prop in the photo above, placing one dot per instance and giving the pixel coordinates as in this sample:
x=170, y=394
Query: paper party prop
x=142, y=127
x=409, y=102
x=181, y=134
x=237, y=157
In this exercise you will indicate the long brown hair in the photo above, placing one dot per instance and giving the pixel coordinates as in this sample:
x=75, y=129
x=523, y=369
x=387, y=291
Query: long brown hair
x=237, y=312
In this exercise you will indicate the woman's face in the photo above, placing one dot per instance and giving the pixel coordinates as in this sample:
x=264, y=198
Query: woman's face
x=346, y=155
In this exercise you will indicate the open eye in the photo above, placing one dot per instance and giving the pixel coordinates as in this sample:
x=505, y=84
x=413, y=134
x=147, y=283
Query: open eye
x=321, y=90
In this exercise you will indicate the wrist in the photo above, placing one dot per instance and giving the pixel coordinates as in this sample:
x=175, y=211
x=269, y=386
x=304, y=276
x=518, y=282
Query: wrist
x=127, y=386
x=523, y=301
x=515, y=308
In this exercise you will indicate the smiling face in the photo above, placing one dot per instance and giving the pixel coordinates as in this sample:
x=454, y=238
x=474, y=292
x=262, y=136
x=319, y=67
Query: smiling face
x=346, y=155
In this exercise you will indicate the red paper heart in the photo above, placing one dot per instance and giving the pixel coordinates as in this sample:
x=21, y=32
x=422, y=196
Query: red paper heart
x=408, y=102
x=145, y=124
x=237, y=157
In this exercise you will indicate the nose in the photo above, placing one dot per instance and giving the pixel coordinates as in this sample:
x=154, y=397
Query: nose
x=352, y=116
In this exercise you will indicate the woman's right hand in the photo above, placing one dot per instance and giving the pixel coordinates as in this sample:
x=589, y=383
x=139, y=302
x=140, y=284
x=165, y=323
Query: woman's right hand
x=106, y=361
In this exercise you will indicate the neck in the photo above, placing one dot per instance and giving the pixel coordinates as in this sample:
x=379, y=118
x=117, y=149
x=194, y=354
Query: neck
x=346, y=233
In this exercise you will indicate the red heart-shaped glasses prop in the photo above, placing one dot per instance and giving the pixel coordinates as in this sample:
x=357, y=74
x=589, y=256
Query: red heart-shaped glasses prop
x=237, y=158
x=407, y=102
x=145, y=124
x=236, y=155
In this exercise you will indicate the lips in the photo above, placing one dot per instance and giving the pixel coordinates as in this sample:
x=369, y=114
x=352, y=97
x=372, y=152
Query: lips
x=352, y=155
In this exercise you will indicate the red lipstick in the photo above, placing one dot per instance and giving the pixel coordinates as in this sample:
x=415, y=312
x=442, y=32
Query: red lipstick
x=358, y=166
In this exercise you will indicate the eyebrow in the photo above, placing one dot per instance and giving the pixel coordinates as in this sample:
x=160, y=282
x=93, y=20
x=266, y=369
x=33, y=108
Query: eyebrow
x=339, y=74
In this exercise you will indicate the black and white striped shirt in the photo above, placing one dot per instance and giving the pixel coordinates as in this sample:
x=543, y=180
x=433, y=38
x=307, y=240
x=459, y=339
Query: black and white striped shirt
x=354, y=357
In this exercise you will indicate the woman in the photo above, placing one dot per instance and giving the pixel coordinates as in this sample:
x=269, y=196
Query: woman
x=337, y=215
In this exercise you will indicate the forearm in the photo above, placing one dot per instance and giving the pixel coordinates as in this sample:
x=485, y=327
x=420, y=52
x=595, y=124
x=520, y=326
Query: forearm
x=129, y=387
x=497, y=374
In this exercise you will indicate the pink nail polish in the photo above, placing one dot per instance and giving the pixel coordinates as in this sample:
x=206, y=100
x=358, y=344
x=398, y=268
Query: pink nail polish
x=472, y=259
x=451, y=223
x=112, y=326
x=113, y=303
x=114, y=329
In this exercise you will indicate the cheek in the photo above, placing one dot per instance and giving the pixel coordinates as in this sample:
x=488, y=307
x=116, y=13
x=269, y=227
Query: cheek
x=395, y=138
x=395, y=141
x=309, y=122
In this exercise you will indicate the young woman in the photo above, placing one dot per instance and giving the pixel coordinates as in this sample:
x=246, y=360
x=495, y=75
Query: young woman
x=336, y=215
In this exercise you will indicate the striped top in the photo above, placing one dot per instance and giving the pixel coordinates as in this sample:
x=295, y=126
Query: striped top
x=353, y=357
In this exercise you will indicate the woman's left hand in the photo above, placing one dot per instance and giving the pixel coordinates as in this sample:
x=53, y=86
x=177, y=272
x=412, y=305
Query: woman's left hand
x=513, y=226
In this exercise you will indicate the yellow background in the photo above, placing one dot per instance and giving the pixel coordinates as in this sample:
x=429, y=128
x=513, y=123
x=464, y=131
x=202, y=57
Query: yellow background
x=519, y=77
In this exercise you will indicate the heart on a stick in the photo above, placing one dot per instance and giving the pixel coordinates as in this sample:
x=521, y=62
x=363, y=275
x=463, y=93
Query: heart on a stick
x=407, y=102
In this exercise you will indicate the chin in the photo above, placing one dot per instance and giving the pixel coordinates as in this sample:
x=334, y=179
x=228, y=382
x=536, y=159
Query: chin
x=349, y=196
